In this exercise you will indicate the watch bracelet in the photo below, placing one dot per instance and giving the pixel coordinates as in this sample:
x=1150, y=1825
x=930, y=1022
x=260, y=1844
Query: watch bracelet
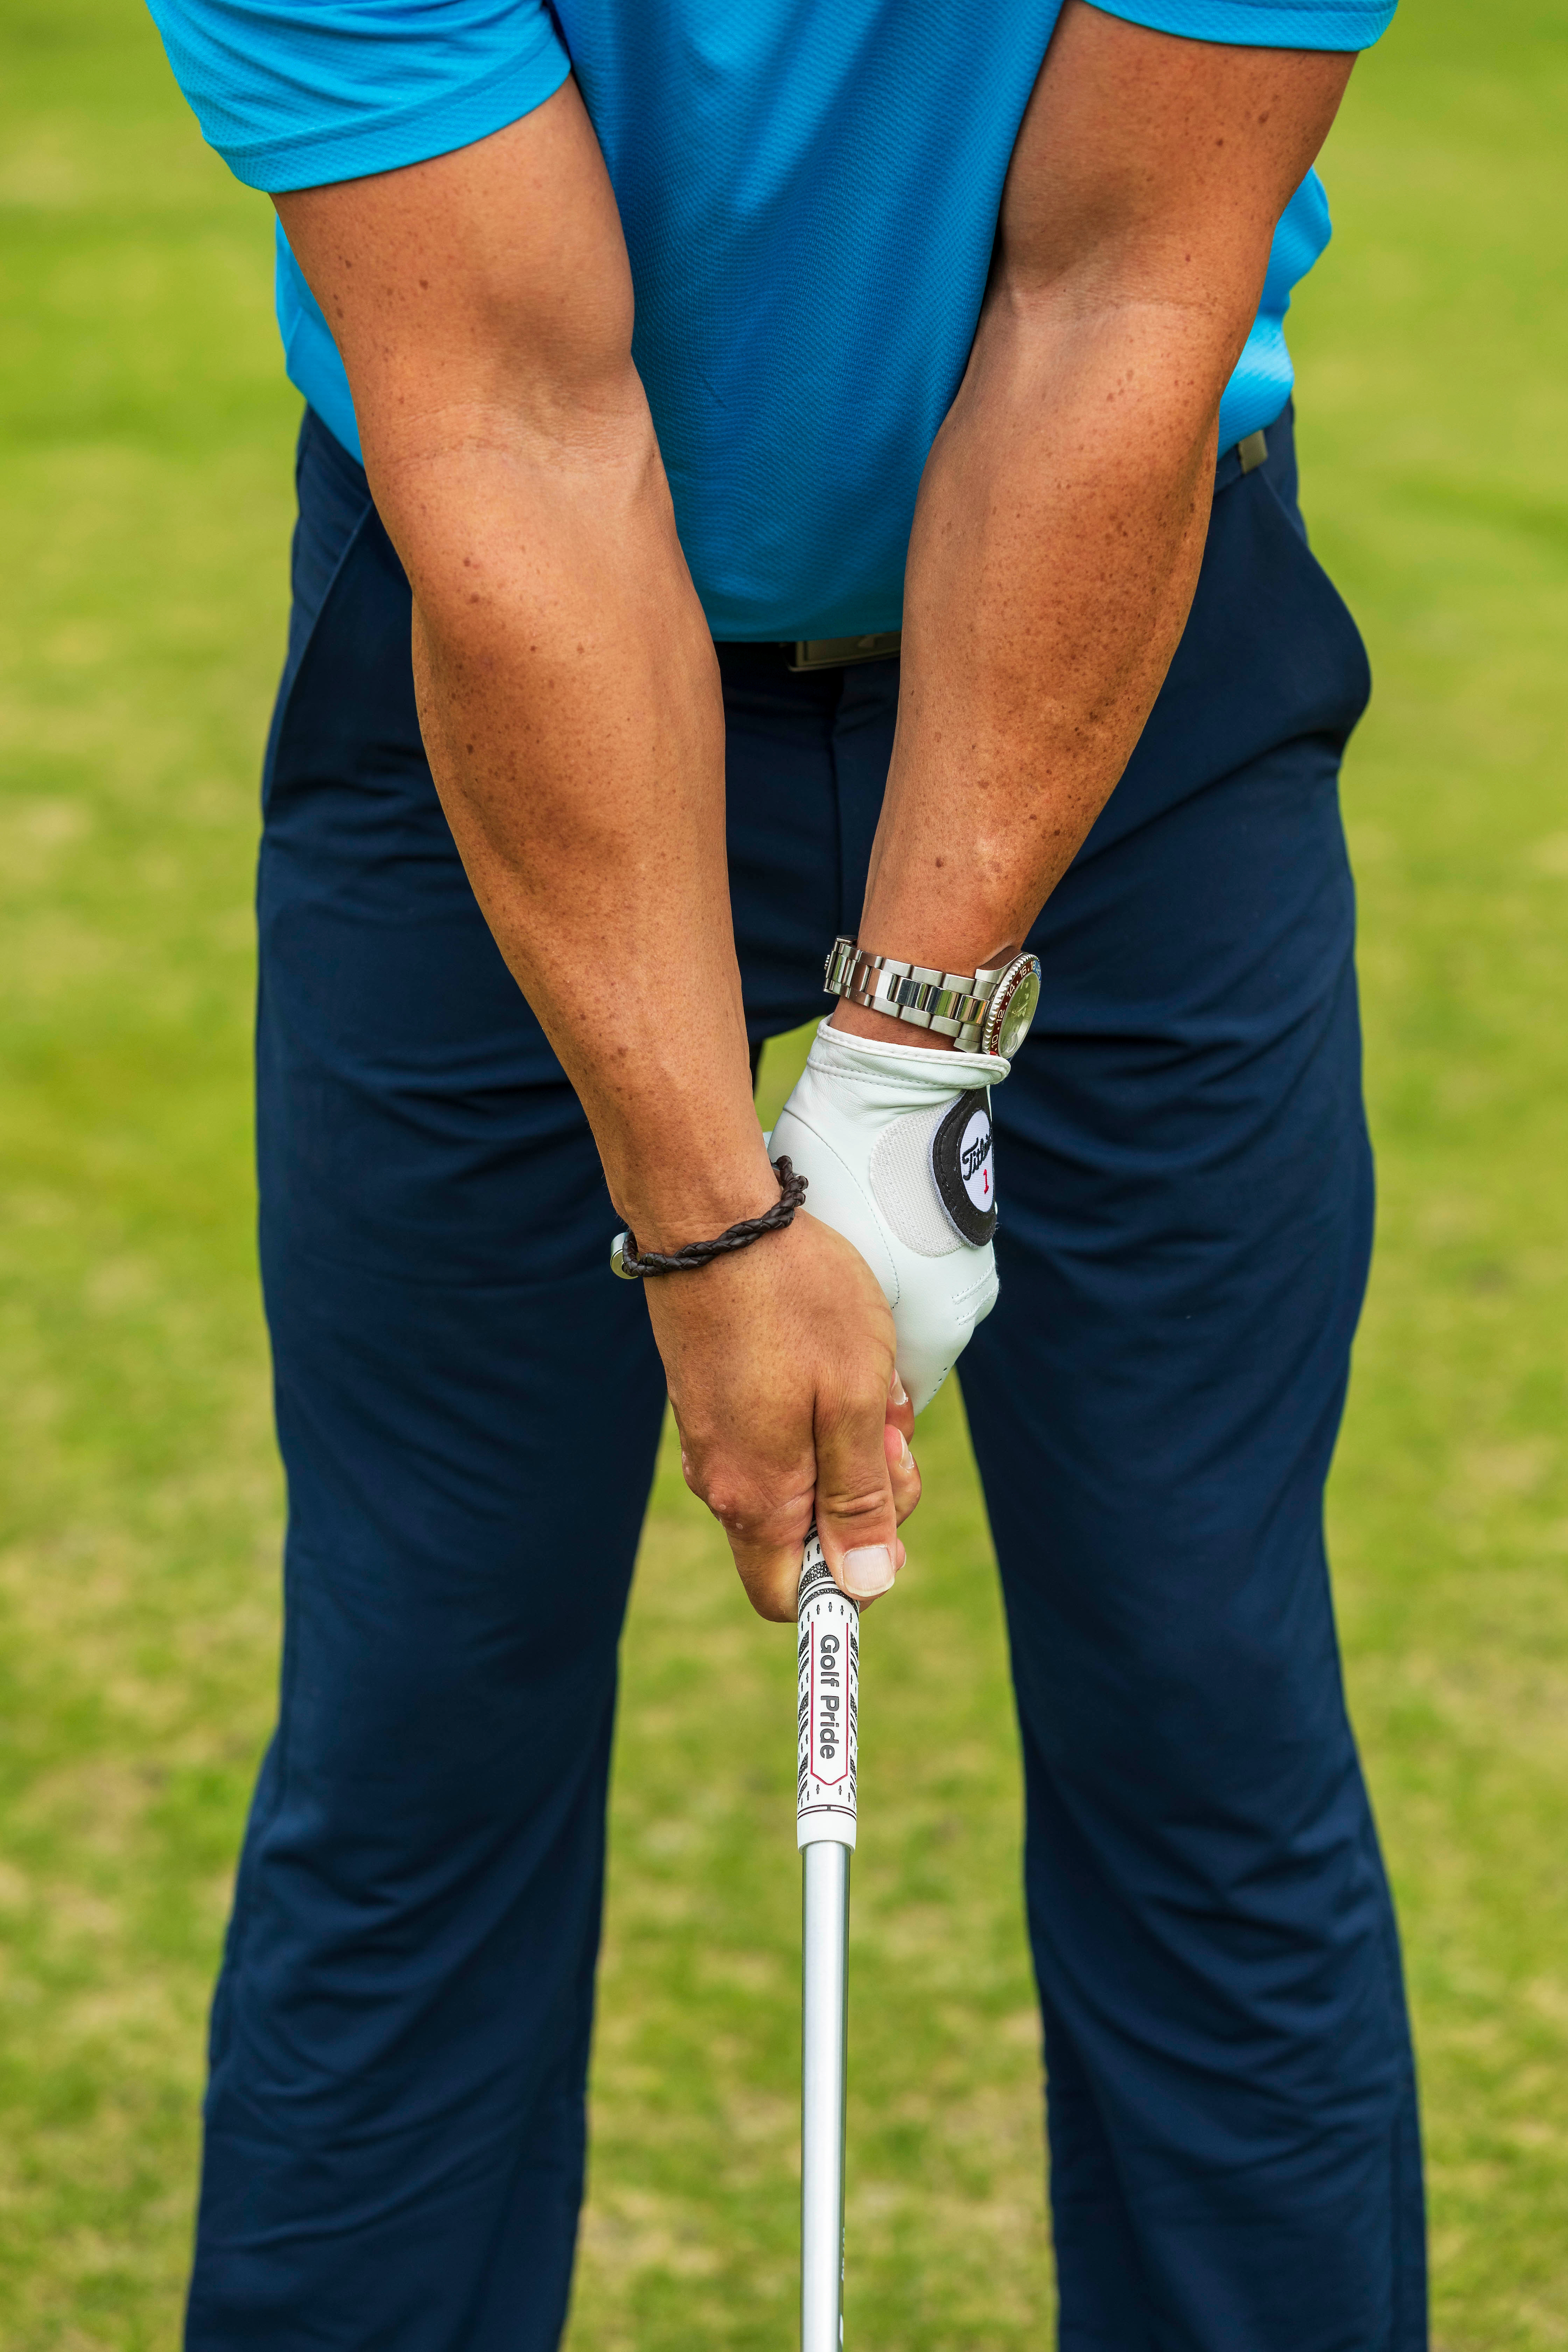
x=921, y=995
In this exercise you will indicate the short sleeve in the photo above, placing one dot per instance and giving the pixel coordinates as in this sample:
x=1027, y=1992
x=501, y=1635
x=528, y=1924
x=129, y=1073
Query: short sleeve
x=1262, y=23
x=297, y=93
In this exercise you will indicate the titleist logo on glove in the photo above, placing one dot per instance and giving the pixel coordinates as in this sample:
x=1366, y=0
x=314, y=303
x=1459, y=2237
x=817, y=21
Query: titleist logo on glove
x=962, y=1168
x=897, y=1143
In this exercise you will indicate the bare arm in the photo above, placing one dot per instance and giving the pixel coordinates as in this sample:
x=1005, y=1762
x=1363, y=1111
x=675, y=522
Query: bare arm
x=1063, y=506
x=569, y=704
x=568, y=691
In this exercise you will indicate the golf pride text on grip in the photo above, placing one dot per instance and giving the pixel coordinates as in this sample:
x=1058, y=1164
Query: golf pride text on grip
x=829, y=1705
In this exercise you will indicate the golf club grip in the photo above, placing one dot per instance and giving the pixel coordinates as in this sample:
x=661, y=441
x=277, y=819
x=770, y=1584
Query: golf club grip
x=828, y=1624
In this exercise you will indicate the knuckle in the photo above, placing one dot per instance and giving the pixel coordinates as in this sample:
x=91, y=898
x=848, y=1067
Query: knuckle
x=749, y=1509
x=858, y=1411
x=853, y=1506
x=697, y=1471
x=727, y=1503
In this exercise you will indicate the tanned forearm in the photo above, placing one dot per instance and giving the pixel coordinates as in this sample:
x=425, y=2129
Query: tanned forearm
x=1063, y=511
x=568, y=690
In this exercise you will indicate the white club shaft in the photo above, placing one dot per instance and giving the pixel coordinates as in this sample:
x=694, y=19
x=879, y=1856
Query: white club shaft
x=829, y=1726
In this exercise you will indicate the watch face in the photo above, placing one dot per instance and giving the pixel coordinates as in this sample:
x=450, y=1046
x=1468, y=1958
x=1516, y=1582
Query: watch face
x=1013, y=1007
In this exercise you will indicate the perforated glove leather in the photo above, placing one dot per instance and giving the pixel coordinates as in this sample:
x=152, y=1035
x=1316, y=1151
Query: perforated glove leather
x=896, y=1143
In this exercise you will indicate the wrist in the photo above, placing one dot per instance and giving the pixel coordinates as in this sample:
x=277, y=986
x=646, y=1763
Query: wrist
x=691, y=1196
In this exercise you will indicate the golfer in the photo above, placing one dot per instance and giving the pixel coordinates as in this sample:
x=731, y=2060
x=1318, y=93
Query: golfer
x=940, y=480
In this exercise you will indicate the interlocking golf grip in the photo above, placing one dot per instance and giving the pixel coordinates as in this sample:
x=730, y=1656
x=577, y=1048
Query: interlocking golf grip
x=829, y=1626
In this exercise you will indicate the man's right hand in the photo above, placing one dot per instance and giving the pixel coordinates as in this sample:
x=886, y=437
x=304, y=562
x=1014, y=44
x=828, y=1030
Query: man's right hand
x=780, y=1362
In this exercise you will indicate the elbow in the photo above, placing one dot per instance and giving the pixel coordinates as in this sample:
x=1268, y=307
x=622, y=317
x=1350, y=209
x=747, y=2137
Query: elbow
x=1178, y=286
x=1151, y=331
x=512, y=399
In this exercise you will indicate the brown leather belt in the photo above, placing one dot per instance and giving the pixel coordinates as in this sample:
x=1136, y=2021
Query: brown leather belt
x=842, y=652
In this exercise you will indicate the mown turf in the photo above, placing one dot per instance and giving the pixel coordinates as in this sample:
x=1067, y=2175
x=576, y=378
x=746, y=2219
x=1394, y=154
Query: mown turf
x=144, y=456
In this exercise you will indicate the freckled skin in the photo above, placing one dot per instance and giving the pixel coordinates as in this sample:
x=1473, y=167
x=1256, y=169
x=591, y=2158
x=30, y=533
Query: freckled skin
x=1062, y=515
x=569, y=694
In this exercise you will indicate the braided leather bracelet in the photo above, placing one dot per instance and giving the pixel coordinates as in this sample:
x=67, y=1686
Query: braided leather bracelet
x=631, y=1265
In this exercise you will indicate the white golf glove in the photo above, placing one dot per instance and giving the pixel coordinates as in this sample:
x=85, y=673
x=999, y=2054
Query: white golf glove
x=896, y=1143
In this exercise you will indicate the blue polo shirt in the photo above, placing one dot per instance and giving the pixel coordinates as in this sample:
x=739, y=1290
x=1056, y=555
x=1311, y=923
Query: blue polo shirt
x=809, y=190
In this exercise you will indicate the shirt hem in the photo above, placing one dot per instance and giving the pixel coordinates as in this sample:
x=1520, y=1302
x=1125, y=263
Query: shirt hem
x=1286, y=25
x=433, y=125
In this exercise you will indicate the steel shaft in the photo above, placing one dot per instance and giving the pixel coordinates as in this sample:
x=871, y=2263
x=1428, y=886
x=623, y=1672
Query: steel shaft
x=827, y=1719
x=825, y=1941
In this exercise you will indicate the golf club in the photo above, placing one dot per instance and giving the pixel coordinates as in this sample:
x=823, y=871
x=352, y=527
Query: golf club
x=828, y=1711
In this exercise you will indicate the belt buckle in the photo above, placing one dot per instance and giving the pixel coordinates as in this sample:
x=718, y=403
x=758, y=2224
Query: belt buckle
x=842, y=652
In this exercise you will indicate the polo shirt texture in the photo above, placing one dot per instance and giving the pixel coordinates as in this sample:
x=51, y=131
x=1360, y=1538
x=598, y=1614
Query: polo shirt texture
x=809, y=190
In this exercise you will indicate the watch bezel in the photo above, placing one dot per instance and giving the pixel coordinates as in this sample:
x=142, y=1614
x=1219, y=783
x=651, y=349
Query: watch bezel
x=1022, y=968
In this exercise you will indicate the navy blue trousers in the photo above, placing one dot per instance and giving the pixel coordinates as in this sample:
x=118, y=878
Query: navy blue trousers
x=395, y=2125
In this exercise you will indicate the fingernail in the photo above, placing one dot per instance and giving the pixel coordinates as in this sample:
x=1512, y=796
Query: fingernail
x=867, y=1571
x=906, y=1458
x=897, y=1393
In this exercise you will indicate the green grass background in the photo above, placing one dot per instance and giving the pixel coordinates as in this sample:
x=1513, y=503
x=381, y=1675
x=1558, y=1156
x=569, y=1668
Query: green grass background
x=145, y=439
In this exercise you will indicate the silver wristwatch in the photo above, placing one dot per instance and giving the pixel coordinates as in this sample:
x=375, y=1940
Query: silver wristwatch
x=981, y=1012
